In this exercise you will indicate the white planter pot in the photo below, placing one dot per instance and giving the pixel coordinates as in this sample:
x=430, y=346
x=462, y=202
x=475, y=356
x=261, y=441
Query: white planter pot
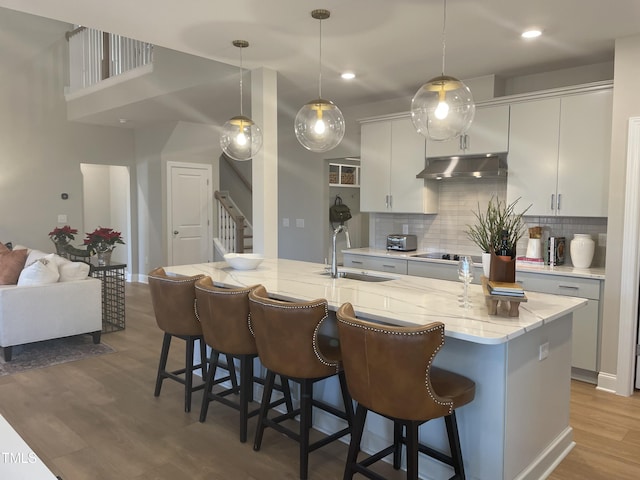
x=582, y=248
x=486, y=264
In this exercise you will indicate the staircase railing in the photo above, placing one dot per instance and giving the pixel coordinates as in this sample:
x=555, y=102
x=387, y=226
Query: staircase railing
x=232, y=225
x=95, y=56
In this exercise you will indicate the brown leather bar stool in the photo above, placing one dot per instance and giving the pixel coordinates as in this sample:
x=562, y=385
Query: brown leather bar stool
x=224, y=317
x=389, y=371
x=289, y=345
x=173, y=299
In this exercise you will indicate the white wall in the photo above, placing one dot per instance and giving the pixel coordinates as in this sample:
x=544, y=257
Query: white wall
x=41, y=152
x=626, y=104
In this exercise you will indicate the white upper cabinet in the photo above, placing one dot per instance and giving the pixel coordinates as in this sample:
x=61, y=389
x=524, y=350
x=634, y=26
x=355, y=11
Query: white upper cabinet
x=559, y=151
x=488, y=133
x=584, y=154
x=391, y=154
x=533, y=155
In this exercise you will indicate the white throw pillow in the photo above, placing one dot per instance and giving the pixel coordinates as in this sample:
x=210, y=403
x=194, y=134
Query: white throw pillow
x=40, y=272
x=35, y=255
x=70, y=271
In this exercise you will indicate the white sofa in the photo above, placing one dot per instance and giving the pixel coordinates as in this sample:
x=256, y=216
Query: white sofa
x=35, y=312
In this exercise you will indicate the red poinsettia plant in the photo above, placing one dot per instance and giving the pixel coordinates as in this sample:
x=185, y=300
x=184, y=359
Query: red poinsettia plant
x=62, y=234
x=102, y=239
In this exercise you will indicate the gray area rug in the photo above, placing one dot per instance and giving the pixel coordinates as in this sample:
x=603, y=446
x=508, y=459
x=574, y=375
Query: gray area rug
x=52, y=352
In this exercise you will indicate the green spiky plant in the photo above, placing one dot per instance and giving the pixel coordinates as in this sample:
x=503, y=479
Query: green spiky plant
x=499, y=216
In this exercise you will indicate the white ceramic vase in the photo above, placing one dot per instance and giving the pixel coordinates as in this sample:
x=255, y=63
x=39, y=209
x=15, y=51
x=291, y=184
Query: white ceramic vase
x=582, y=248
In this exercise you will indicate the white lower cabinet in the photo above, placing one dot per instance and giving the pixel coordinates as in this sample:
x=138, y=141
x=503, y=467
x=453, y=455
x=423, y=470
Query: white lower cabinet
x=586, y=320
x=379, y=264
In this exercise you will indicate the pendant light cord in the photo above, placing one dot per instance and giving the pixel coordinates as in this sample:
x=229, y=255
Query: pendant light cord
x=320, y=63
x=241, y=75
x=444, y=26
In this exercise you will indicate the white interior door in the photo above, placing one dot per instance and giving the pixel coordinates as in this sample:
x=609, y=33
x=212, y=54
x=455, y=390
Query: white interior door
x=189, y=199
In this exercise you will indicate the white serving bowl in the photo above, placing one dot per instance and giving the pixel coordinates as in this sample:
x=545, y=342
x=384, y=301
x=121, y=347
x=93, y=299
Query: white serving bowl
x=243, y=261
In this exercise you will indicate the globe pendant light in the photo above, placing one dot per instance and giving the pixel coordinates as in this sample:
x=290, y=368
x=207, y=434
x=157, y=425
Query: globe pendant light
x=443, y=107
x=241, y=139
x=319, y=125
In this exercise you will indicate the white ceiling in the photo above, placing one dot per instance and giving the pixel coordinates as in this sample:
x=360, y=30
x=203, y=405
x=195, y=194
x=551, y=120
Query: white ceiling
x=393, y=46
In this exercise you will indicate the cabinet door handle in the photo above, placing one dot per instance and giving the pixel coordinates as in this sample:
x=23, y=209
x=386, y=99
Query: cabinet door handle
x=388, y=266
x=467, y=143
x=553, y=198
x=356, y=262
x=390, y=201
x=460, y=143
x=559, y=197
x=570, y=287
x=386, y=201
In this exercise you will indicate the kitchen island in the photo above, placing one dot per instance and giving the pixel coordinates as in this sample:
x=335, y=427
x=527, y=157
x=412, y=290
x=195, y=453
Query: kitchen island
x=518, y=425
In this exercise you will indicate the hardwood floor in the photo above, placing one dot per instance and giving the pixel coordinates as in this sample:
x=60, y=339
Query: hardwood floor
x=97, y=419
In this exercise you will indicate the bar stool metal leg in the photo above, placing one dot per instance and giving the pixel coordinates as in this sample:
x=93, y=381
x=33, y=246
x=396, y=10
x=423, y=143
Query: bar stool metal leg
x=162, y=367
x=264, y=407
x=454, y=444
x=354, y=446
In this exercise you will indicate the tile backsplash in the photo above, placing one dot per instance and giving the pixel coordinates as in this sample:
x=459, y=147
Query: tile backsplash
x=458, y=199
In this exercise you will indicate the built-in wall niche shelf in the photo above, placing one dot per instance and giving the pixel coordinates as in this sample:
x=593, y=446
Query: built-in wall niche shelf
x=343, y=175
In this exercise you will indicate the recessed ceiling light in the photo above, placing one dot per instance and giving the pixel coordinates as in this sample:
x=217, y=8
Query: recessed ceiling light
x=348, y=75
x=532, y=33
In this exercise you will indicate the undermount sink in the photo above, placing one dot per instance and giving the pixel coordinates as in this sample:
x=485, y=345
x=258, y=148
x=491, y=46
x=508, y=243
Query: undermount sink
x=363, y=277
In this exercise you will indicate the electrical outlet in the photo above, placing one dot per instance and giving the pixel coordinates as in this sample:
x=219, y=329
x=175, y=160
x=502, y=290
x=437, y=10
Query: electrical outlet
x=300, y=222
x=405, y=229
x=602, y=239
x=544, y=351
x=285, y=222
x=62, y=218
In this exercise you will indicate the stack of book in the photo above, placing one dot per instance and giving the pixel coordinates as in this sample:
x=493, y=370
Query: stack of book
x=529, y=262
x=506, y=289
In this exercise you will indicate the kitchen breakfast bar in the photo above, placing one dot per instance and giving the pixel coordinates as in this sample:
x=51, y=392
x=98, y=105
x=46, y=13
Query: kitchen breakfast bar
x=517, y=427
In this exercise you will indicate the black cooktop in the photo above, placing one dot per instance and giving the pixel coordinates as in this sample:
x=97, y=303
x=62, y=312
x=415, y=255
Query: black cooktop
x=454, y=257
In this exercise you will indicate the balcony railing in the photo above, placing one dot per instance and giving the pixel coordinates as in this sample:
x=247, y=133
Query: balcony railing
x=95, y=56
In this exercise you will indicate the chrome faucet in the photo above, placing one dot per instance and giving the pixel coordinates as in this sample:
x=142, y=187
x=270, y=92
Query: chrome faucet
x=334, y=256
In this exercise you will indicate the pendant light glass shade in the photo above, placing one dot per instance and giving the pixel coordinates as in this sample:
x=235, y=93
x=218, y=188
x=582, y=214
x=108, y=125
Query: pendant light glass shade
x=241, y=138
x=319, y=124
x=443, y=107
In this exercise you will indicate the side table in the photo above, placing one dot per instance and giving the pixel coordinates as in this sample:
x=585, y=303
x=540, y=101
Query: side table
x=112, y=278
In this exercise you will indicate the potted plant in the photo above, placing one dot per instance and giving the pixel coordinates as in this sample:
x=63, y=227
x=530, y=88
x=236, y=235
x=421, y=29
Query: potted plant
x=499, y=227
x=101, y=242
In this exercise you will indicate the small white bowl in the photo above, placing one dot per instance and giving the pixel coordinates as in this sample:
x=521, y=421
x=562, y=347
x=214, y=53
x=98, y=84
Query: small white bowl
x=243, y=261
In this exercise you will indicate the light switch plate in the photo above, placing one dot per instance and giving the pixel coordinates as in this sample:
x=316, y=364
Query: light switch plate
x=62, y=218
x=544, y=351
x=405, y=229
x=300, y=222
x=285, y=222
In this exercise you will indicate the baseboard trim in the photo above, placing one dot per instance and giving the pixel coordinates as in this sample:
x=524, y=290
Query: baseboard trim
x=607, y=382
x=550, y=457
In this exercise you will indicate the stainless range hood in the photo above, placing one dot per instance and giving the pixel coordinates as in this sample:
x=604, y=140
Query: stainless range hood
x=478, y=166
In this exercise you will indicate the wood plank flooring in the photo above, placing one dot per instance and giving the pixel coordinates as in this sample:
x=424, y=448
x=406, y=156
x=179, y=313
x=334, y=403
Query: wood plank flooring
x=97, y=419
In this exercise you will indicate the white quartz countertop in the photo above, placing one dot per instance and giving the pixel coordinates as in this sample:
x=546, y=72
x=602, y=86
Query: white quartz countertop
x=404, y=300
x=567, y=270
